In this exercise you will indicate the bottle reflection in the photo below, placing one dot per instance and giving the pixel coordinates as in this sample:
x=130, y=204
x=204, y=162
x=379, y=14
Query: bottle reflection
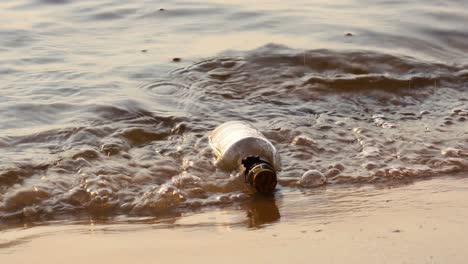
x=262, y=210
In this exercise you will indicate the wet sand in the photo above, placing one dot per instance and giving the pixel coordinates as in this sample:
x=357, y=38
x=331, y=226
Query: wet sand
x=422, y=222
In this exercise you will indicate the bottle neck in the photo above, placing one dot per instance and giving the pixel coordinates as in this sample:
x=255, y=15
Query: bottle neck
x=259, y=174
x=251, y=162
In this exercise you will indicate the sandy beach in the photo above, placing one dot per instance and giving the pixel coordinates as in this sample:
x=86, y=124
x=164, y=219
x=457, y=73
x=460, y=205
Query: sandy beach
x=423, y=222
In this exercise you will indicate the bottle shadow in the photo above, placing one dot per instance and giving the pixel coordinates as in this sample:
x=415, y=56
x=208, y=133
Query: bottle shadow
x=261, y=211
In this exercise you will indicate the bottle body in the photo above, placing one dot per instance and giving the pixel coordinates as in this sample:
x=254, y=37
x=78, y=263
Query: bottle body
x=237, y=144
x=236, y=140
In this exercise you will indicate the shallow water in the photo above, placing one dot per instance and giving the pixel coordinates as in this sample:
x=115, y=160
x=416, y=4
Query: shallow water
x=106, y=107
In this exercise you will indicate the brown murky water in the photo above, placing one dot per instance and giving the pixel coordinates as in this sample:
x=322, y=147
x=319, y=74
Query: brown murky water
x=106, y=106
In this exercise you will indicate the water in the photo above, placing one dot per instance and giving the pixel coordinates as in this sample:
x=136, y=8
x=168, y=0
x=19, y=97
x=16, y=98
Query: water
x=106, y=106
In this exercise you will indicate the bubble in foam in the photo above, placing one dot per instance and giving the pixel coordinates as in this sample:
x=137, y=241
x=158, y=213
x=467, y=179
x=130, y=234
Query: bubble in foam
x=378, y=116
x=370, y=151
x=332, y=172
x=186, y=180
x=113, y=148
x=359, y=130
x=86, y=153
x=239, y=196
x=461, y=163
x=157, y=199
x=380, y=120
x=453, y=152
x=461, y=112
x=302, y=140
x=448, y=122
x=186, y=163
x=395, y=172
x=223, y=198
x=340, y=123
x=312, y=178
x=369, y=165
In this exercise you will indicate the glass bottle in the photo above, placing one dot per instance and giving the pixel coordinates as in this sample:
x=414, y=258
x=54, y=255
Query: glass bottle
x=237, y=144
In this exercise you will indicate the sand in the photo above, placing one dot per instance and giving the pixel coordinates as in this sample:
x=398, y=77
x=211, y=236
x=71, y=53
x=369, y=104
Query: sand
x=421, y=222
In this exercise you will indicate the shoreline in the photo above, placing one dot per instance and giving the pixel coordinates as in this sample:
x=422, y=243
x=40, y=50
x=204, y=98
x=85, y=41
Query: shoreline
x=407, y=224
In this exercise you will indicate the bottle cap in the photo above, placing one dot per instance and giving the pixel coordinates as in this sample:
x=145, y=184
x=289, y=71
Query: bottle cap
x=262, y=176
